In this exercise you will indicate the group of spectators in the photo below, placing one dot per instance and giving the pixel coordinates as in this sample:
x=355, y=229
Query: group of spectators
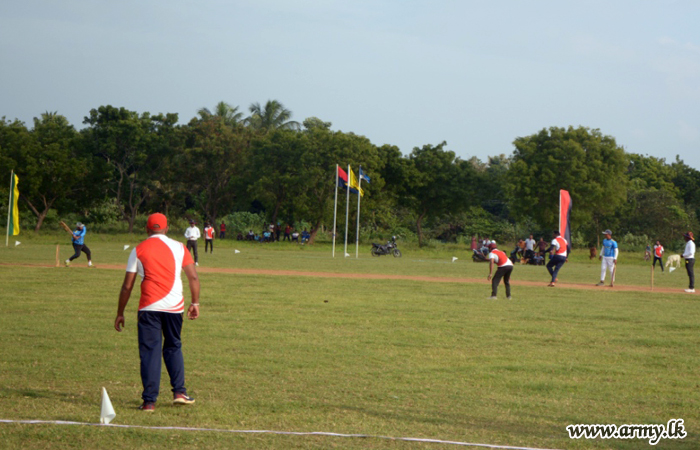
x=272, y=232
x=527, y=250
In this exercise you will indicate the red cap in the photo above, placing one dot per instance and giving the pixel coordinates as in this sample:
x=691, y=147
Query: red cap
x=157, y=222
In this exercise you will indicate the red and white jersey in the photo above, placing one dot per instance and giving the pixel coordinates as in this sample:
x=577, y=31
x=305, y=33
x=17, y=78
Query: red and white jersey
x=560, y=245
x=159, y=260
x=209, y=233
x=659, y=250
x=500, y=258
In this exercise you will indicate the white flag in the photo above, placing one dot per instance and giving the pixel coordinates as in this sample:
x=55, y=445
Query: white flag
x=236, y=251
x=107, y=413
x=17, y=243
x=125, y=247
x=454, y=258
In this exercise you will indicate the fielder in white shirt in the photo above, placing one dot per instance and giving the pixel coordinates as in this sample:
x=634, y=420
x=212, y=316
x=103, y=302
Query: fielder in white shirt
x=689, y=257
x=192, y=234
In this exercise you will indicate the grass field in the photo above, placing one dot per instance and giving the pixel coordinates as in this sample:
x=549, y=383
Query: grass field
x=358, y=356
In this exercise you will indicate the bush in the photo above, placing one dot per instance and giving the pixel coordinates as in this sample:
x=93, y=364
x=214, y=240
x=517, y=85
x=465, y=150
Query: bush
x=242, y=222
x=630, y=242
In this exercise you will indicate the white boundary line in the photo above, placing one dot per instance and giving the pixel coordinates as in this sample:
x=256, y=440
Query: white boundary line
x=290, y=433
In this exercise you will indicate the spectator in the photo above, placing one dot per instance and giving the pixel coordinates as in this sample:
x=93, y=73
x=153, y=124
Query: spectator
x=287, y=232
x=250, y=236
x=222, y=230
x=542, y=247
x=305, y=236
x=295, y=236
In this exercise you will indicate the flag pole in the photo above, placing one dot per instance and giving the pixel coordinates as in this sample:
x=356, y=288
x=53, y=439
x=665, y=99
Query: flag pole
x=347, y=213
x=9, y=208
x=357, y=232
x=335, y=208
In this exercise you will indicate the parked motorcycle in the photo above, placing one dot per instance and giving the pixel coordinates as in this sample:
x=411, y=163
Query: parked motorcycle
x=389, y=249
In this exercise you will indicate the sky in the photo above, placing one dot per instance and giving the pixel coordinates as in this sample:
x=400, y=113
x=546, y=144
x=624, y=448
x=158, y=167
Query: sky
x=407, y=73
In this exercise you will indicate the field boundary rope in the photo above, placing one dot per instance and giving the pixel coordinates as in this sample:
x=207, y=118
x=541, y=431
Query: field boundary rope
x=276, y=432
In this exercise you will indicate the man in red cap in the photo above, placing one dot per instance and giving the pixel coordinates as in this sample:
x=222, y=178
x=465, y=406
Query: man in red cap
x=689, y=257
x=505, y=268
x=159, y=261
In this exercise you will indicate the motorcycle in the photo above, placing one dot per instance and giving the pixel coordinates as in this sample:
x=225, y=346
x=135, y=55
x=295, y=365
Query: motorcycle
x=389, y=249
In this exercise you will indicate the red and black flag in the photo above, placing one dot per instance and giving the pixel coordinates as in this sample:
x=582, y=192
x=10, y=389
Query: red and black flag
x=565, y=216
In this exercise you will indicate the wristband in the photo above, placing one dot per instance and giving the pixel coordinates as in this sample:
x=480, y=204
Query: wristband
x=194, y=304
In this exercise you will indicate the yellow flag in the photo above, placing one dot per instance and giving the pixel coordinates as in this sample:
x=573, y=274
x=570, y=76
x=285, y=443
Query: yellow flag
x=14, y=210
x=354, y=183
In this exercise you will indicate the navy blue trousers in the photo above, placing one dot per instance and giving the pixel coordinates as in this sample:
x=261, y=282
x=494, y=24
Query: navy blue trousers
x=160, y=331
x=554, y=265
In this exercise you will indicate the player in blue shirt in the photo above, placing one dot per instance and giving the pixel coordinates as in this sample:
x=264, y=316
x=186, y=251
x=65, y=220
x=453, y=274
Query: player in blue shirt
x=608, y=256
x=79, y=245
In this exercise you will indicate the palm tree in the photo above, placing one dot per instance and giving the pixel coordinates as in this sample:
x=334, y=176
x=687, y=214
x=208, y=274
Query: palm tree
x=273, y=116
x=223, y=111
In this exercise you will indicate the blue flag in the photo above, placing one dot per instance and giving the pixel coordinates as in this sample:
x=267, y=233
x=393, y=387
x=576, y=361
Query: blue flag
x=364, y=175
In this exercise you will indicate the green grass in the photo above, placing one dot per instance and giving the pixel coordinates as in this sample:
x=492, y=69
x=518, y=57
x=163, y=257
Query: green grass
x=377, y=357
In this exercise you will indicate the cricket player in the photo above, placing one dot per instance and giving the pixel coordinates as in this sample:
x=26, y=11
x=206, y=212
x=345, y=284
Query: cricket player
x=659, y=255
x=78, y=241
x=209, y=235
x=159, y=260
x=608, y=257
x=689, y=257
x=505, y=268
x=192, y=234
x=561, y=251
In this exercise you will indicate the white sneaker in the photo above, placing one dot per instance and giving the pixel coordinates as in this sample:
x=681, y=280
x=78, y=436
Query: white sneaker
x=67, y=262
x=90, y=264
x=690, y=290
x=196, y=264
x=510, y=298
x=493, y=298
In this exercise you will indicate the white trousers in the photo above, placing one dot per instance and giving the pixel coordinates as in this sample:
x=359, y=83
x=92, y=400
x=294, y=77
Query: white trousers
x=607, y=264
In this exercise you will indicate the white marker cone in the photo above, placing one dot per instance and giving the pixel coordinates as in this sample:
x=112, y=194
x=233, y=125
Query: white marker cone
x=671, y=269
x=347, y=255
x=454, y=258
x=236, y=251
x=17, y=243
x=107, y=414
x=125, y=247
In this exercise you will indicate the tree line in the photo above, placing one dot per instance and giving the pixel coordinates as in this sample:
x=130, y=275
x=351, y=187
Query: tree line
x=122, y=165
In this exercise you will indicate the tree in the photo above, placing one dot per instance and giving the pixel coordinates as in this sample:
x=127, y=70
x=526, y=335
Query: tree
x=275, y=170
x=272, y=116
x=223, y=111
x=134, y=148
x=589, y=165
x=439, y=184
x=46, y=161
x=214, y=156
x=322, y=149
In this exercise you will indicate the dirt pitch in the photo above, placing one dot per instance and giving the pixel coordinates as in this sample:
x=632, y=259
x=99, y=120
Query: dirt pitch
x=370, y=276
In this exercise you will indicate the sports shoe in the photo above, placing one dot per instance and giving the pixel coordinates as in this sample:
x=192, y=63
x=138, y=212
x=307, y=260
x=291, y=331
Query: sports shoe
x=182, y=399
x=551, y=285
x=690, y=290
x=493, y=298
x=600, y=284
x=510, y=298
x=147, y=406
x=68, y=263
x=196, y=264
x=90, y=264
